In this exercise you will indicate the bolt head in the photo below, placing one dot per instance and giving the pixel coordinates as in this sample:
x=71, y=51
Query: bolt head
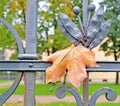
x=76, y=10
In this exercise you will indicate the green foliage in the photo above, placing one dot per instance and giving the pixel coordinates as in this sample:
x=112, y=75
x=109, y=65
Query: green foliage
x=13, y=11
x=2, y=8
x=111, y=46
x=60, y=41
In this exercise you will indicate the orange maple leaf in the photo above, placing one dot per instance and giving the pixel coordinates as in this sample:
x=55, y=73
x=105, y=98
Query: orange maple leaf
x=74, y=59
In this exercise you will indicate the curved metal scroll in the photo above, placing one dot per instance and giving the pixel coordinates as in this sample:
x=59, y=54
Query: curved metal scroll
x=110, y=95
x=15, y=34
x=9, y=92
x=60, y=93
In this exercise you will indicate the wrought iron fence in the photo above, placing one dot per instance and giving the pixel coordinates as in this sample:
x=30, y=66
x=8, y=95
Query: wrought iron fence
x=29, y=64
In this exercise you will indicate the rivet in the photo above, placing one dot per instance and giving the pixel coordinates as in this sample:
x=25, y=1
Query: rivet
x=30, y=64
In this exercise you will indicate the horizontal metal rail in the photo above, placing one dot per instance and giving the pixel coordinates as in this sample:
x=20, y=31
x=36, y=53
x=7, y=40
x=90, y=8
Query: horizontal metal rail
x=106, y=66
x=24, y=65
x=38, y=65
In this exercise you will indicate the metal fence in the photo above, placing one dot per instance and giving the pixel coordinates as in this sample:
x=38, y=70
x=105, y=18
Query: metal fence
x=29, y=64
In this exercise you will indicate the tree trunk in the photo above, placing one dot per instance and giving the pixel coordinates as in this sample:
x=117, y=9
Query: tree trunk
x=117, y=73
x=117, y=78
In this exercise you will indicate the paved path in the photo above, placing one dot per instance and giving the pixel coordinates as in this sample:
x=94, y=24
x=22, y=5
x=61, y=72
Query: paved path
x=5, y=84
x=47, y=99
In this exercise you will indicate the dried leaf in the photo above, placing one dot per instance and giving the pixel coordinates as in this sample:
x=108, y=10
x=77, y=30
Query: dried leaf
x=74, y=59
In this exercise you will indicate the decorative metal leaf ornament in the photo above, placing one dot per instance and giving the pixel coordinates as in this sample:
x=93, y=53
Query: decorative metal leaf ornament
x=94, y=25
x=70, y=28
x=101, y=34
x=64, y=31
x=95, y=33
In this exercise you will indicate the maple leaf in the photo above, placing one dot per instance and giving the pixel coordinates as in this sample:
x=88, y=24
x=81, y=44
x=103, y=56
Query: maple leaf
x=74, y=60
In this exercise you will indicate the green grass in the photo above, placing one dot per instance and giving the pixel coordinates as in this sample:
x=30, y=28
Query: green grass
x=42, y=89
x=107, y=104
x=95, y=87
x=4, y=81
x=62, y=104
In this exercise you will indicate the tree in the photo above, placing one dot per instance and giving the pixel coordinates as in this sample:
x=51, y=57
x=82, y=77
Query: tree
x=50, y=42
x=12, y=11
x=111, y=46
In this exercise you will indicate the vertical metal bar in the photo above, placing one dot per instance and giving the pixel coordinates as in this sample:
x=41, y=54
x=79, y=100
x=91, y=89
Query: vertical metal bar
x=86, y=91
x=86, y=81
x=85, y=12
x=31, y=26
x=31, y=30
